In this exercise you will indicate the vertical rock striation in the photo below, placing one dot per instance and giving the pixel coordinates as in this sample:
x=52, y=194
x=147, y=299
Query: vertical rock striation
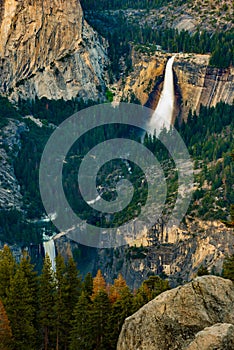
x=48, y=49
x=201, y=84
x=195, y=81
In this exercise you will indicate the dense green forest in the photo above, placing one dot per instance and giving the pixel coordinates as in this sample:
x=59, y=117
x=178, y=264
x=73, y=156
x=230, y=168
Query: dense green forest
x=18, y=226
x=123, y=35
x=208, y=136
x=59, y=310
x=42, y=309
x=7, y=110
x=124, y=4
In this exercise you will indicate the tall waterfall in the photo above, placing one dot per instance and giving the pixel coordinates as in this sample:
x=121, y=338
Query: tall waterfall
x=162, y=115
x=49, y=248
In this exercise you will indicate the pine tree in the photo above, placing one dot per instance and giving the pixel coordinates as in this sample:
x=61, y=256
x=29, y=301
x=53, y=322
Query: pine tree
x=21, y=312
x=115, y=323
x=73, y=282
x=87, y=285
x=7, y=270
x=46, y=302
x=118, y=286
x=140, y=298
x=100, y=320
x=66, y=292
x=99, y=284
x=5, y=329
x=81, y=333
x=33, y=284
x=122, y=308
x=61, y=305
x=126, y=299
x=155, y=286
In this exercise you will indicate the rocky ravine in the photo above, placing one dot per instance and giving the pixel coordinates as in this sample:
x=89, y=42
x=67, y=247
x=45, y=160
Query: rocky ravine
x=48, y=49
x=199, y=315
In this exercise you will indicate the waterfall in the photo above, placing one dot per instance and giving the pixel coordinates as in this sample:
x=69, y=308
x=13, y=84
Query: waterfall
x=162, y=115
x=49, y=248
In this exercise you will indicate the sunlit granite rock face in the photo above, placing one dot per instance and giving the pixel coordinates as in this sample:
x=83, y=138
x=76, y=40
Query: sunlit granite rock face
x=201, y=84
x=195, y=81
x=196, y=316
x=48, y=49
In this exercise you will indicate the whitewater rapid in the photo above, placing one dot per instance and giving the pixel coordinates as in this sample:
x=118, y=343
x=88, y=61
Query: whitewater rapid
x=162, y=116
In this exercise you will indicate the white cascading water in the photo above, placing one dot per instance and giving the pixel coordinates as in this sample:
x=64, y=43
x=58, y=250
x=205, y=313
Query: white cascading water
x=49, y=248
x=162, y=116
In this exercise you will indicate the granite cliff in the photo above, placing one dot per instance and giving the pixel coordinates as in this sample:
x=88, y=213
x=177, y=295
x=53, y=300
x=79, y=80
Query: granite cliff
x=10, y=144
x=200, y=83
x=48, y=49
x=196, y=82
x=198, y=315
x=178, y=252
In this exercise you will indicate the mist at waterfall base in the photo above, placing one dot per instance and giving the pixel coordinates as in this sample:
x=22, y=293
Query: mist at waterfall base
x=162, y=116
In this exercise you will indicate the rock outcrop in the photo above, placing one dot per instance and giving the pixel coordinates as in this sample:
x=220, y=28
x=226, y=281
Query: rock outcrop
x=146, y=78
x=201, y=84
x=178, y=252
x=10, y=196
x=176, y=318
x=48, y=49
x=218, y=337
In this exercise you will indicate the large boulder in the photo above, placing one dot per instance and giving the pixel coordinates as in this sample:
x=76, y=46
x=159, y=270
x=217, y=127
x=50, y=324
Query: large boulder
x=217, y=337
x=173, y=319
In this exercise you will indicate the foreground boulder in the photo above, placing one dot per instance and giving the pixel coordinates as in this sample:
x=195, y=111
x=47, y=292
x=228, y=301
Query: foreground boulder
x=175, y=319
x=218, y=337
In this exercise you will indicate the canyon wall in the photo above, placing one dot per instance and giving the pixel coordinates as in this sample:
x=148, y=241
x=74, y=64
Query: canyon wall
x=201, y=84
x=178, y=253
x=48, y=49
x=10, y=144
x=196, y=82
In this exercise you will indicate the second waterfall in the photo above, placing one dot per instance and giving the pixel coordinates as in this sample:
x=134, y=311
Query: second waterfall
x=49, y=248
x=162, y=116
